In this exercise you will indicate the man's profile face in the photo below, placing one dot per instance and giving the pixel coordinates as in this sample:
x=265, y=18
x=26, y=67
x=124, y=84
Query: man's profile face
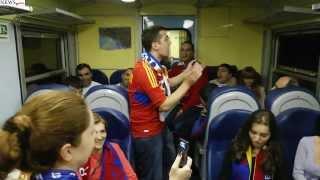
x=163, y=44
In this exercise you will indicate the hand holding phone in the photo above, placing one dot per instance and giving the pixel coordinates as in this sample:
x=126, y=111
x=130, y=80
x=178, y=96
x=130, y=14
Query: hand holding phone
x=183, y=150
x=181, y=173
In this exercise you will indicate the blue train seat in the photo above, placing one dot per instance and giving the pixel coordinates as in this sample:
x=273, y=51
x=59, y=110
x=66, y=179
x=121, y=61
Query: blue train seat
x=43, y=88
x=110, y=96
x=99, y=76
x=115, y=77
x=297, y=112
x=229, y=108
x=111, y=102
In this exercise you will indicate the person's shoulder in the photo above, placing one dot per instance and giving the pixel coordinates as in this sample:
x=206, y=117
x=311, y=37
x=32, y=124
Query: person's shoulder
x=94, y=83
x=307, y=140
x=142, y=67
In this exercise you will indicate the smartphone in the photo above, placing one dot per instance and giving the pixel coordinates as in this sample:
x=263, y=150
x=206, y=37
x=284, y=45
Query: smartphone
x=183, y=150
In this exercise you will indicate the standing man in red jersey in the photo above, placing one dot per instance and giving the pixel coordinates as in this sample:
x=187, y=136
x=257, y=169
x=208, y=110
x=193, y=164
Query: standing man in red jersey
x=150, y=98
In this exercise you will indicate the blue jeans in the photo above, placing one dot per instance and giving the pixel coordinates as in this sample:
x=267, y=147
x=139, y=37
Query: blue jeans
x=148, y=157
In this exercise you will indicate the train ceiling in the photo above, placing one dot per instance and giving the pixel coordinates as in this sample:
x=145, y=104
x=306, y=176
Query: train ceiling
x=209, y=3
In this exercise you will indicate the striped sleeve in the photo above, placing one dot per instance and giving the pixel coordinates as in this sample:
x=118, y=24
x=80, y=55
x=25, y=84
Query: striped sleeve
x=151, y=77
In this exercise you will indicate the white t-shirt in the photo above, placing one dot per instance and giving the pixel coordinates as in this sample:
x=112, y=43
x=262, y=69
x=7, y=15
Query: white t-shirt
x=86, y=89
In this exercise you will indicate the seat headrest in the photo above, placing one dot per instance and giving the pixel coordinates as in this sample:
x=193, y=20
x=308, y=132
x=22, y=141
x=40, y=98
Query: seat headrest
x=279, y=100
x=295, y=124
x=99, y=76
x=220, y=134
x=43, y=88
x=298, y=122
x=226, y=125
x=115, y=77
x=117, y=123
x=109, y=96
x=227, y=98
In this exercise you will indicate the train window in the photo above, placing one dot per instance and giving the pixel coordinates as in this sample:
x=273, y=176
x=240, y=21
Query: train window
x=180, y=29
x=176, y=38
x=42, y=54
x=172, y=22
x=299, y=52
x=296, y=53
x=43, y=57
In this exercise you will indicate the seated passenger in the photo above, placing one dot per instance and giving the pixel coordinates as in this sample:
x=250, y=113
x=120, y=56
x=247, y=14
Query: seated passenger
x=307, y=160
x=125, y=78
x=226, y=76
x=84, y=72
x=51, y=136
x=113, y=165
x=255, y=153
x=249, y=77
x=286, y=81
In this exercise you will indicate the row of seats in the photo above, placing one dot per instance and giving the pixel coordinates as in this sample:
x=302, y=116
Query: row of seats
x=102, y=78
x=296, y=111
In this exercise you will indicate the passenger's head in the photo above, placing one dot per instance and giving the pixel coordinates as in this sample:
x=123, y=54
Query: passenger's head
x=74, y=83
x=156, y=39
x=225, y=73
x=126, y=77
x=186, y=51
x=260, y=133
x=249, y=77
x=100, y=126
x=51, y=130
x=84, y=72
x=286, y=81
x=259, y=130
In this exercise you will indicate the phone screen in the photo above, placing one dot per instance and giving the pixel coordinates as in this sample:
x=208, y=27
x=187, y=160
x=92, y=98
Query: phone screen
x=183, y=150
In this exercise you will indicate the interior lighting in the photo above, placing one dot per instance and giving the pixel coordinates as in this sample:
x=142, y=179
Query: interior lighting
x=128, y=1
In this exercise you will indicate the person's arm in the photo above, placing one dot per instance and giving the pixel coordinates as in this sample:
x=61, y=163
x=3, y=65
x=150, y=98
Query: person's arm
x=188, y=81
x=183, y=173
x=176, y=80
x=300, y=159
x=175, y=97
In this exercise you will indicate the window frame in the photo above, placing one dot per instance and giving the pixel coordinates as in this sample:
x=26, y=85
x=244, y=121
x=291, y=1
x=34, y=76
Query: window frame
x=40, y=32
x=270, y=53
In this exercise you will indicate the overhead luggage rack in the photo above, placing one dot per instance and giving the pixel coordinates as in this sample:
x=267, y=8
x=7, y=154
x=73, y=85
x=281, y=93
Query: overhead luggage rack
x=57, y=16
x=11, y=9
x=283, y=15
